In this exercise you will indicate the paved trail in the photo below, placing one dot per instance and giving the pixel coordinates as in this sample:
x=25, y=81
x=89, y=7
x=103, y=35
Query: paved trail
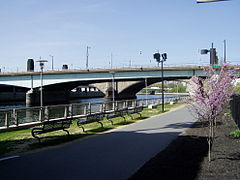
x=113, y=155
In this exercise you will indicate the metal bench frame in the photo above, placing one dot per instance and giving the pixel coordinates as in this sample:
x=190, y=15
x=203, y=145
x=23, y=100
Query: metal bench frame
x=135, y=110
x=117, y=113
x=50, y=126
x=90, y=118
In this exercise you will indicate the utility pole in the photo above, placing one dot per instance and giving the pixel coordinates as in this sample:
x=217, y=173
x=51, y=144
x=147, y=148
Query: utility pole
x=113, y=89
x=225, y=51
x=212, y=61
x=146, y=91
x=87, y=57
x=130, y=63
x=111, y=61
x=52, y=61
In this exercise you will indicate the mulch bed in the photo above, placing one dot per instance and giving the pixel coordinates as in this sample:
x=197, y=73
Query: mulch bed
x=187, y=156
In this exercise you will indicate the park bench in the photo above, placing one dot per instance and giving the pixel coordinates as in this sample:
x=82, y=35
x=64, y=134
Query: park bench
x=117, y=113
x=50, y=126
x=135, y=110
x=90, y=118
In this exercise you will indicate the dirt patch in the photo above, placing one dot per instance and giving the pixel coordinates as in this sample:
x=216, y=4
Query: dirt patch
x=186, y=157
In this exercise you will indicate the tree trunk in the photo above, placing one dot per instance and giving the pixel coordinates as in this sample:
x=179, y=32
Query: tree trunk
x=209, y=150
x=210, y=139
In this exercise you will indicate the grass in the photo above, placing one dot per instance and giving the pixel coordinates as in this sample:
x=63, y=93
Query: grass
x=21, y=141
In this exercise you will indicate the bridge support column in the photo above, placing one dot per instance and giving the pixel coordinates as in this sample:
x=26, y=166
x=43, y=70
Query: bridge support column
x=32, y=98
x=124, y=89
x=109, y=94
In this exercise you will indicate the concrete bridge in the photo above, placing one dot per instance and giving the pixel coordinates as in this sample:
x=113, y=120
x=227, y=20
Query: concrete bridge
x=127, y=81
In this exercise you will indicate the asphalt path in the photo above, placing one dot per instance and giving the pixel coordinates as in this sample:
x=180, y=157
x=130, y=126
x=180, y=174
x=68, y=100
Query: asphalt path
x=116, y=154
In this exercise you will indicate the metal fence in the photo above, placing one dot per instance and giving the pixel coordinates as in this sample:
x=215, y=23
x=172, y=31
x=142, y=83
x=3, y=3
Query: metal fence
x=21, y=117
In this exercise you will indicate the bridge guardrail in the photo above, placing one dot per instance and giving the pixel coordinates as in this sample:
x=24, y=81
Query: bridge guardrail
x=28, y=117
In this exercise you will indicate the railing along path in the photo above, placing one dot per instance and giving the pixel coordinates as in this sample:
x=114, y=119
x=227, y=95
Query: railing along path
x=28, y=117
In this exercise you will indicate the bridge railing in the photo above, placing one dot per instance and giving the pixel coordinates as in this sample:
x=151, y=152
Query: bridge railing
x=28, y=117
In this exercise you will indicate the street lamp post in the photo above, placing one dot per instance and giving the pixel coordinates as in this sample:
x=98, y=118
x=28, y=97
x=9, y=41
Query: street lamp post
x=146, y=90
x=213, y=55
x=177, y=90
x=158, y=58
x=113, y=89
x=41, y=63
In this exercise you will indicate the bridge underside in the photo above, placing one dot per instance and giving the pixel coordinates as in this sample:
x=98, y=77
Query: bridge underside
x=60, y=93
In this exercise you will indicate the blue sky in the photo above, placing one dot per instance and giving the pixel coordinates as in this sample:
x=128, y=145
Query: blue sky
x=64, y=28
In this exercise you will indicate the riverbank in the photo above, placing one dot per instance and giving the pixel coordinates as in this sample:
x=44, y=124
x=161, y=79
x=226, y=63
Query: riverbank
x=186, y=157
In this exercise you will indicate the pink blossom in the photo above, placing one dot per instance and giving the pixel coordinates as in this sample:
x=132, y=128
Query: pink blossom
x=209, y=97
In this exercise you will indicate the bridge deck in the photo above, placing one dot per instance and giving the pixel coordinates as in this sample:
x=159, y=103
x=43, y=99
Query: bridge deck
x=104, y=70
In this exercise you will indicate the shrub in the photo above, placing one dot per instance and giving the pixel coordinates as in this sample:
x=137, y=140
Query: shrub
x=235, y=133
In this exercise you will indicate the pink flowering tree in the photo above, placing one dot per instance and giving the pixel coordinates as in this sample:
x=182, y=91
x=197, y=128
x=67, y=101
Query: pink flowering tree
x=210, y=97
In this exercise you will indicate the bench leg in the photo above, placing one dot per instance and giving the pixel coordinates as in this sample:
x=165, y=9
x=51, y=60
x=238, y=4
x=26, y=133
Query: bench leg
x=38, y=138
x=140, y=114
x=66, y=131
x=110, y=121
x=100, y=123
x=33, y=134
x=124, y=118
x=131, y=116
x=80, y=126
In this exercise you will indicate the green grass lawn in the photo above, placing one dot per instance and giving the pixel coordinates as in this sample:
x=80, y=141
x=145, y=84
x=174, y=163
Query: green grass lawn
x=21, y=141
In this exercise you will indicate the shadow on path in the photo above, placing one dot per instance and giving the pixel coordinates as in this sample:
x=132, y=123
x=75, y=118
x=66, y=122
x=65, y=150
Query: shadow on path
x=180, y=160
x=114, y=155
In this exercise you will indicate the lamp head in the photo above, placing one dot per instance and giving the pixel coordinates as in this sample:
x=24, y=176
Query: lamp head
x=157, y=56
x=41, y=63
x=164, y=56
x=204, y=51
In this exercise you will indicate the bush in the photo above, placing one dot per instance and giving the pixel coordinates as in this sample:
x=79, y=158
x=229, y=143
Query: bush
x=238, y=87
x=235, y=133
x=180, y=89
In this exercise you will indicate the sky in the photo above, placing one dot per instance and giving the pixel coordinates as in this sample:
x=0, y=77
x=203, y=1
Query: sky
x=129, y=31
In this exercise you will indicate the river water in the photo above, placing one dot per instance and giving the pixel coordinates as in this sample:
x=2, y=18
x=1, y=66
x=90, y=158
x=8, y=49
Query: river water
x=22, y=104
